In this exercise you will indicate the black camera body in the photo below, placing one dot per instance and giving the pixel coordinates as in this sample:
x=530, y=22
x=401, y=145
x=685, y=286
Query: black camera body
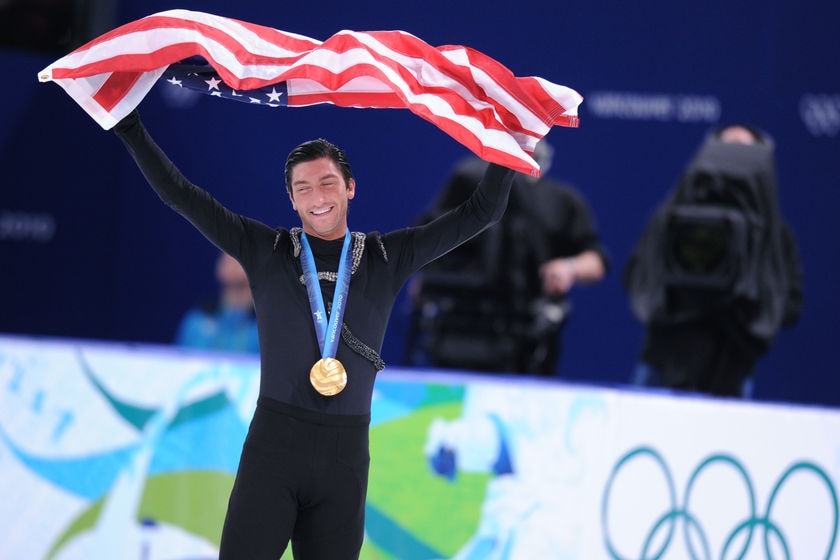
x=710, y=231
x=703, y=251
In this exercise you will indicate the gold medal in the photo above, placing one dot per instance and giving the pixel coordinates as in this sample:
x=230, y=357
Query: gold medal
x=328, y=376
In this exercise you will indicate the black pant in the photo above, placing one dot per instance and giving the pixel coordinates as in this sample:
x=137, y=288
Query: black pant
x=302, y=476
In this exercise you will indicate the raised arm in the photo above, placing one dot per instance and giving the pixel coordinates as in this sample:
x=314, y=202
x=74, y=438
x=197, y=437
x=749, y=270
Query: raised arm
x=221, y=226
x=482, y=209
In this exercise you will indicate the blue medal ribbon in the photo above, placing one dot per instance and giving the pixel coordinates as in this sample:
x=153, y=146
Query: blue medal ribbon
x=326, y=330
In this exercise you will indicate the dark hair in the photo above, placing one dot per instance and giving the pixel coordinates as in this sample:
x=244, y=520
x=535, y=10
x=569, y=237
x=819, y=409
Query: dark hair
x=316, y=149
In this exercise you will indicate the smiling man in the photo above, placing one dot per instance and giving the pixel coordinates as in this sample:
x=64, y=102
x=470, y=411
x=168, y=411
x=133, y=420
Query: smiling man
x=320, y=186
x=323, y=296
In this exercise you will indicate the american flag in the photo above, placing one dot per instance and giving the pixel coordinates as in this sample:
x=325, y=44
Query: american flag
x=468, y=95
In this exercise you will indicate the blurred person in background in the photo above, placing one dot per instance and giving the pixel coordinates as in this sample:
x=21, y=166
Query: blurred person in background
x=226, y=322
x=499, y=302
x=716, y=273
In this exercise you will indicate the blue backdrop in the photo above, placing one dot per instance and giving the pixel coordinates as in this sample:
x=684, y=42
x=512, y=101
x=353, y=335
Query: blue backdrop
x=88, y=250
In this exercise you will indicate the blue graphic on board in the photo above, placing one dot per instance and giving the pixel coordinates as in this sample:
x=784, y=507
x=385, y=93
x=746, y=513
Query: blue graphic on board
x=168, y=436
x=539, y=457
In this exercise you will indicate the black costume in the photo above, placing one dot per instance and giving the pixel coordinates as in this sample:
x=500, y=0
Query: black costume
x=297, y=434
x=482, y=306
x=716, y=273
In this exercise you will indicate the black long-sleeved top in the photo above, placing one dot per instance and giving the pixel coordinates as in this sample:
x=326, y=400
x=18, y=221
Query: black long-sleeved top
x=288, y=342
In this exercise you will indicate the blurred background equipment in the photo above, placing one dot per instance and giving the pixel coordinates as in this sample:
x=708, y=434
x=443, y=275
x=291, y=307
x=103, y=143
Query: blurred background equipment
x=53, y=26
x=716, y=274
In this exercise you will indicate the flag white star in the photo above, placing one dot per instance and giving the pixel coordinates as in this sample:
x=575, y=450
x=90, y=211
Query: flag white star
x=274, y=95
x=254, y=100
x=213, y=83
x=234, y=94
x=175, y=81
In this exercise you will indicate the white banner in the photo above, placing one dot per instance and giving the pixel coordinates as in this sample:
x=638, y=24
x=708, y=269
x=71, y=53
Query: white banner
x=121, y=451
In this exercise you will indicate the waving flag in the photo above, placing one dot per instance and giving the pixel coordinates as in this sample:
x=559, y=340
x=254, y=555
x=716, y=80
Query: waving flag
x=468, y=95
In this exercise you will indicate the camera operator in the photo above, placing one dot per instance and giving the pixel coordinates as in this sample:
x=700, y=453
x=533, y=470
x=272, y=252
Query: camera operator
x=498, y=303
x=716, y=273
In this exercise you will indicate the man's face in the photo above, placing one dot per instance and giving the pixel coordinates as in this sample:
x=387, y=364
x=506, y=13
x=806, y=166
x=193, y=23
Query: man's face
x=320, y=196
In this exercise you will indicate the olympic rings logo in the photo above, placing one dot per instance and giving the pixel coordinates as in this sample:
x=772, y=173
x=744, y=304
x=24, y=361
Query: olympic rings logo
x=742, y=532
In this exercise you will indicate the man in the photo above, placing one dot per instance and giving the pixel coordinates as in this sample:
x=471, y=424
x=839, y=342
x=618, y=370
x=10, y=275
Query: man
x=304, y=467
x=499, y=302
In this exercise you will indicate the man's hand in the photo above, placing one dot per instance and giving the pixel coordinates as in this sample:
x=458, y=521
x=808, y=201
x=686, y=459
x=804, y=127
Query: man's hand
x=559, y=275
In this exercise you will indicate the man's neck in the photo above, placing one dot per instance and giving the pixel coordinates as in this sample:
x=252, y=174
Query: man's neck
x=329, y=237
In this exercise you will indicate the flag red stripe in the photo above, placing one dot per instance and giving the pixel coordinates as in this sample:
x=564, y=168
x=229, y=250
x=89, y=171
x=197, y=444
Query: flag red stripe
x=504, y=78
x=157, y=22
x=433, y=58
x=114, y=88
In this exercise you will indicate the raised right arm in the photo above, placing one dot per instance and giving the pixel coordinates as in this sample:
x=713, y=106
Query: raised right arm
x=221, y=226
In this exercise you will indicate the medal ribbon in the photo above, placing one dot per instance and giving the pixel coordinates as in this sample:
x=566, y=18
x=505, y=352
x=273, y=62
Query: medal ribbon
x=327, y=332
